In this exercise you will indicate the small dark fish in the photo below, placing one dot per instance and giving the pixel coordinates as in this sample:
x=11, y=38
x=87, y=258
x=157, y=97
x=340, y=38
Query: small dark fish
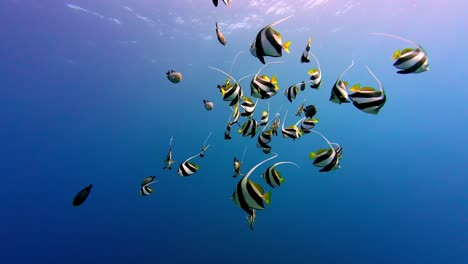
x=174, y=76
x=81, y=196
x=305, y=57
x=310, y=111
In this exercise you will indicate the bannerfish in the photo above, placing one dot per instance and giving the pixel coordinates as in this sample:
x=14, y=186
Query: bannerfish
x=327, y=159
x=300, y=109
x=248, y=128
x=292, y=131
x=409, y=60
x=231, y=92
x=268, y=42
x=315, y=75
x=174, y=76
x=249, y=106
x=272, y=176
x=263, y=87
x=220, y=35
x=226, y=2
x=168, y=161
x=305, y=55
x=308, y=124
x=249, y=195
x=338, y=93
x=368, y=99
x=146, y=189
x=251, y=219
x=81, y=196
x=205, y=147
x=187, y=167
x=264, y=117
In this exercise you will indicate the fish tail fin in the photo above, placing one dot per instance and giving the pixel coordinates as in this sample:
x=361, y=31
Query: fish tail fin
x=286, y=46
x=267, y=197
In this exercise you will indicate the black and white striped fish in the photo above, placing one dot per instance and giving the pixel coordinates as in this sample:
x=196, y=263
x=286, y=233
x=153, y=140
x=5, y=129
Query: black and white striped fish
x=236, y=113
x=168, y=161
x=249, y=106
x=263, y=139
x=327, y=159
x=264, y=118
x=409, y=60
x=308, y=124
x=248, y=128
x=187, y=167
x=305, y=58
x=145, y=188
x=220, y=35
x=339, y=94
x=272, y=176
x=268, y=42
x=291, y=131
x=315, y=75
x=263, y=87
x=249, y=195
x=226, y=2
x=292, y=92
x=368, y=99
x=231, y=92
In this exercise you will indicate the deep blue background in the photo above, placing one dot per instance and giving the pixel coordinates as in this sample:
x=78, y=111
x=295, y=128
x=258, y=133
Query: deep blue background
x=86, y=100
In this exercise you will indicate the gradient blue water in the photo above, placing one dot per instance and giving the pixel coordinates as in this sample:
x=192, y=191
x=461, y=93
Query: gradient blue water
x=81, y=103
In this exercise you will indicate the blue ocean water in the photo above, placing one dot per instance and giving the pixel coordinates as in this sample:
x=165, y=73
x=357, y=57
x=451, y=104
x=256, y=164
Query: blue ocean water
x=85, y=99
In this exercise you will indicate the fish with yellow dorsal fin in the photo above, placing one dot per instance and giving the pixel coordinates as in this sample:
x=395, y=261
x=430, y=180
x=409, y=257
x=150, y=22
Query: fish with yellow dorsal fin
x=305, y=57
x=327, y=158
x=187, y=167
x=368, y=99
x=249, y=195
x=272, y=176
x=339, y=94
x=268, y=42
x=263, y=87
x=409, y=60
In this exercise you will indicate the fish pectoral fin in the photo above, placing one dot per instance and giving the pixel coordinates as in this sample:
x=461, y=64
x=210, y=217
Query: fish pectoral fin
x=286, y=46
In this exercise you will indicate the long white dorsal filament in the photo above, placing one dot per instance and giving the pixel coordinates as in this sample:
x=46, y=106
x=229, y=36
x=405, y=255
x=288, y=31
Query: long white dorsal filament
x=279, y=21
x=260, y=163
x=378, y=81
x=206, y=140
x=395, y=37
x=272, y=62
x=325, y=139
x=243, y=154
x=284, y=162
x=316, y=60
x=234, y=61
x=347, y=69
x=223, y=72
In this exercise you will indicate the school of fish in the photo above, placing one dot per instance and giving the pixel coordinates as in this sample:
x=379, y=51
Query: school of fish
x=248, y=194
